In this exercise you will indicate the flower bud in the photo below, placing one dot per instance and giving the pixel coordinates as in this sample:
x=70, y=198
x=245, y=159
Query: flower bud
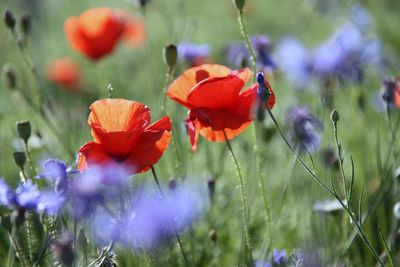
x=17, y=217
x=9, y=19
x=335, y=116
x=211, y=188
x=239, y=4
x=9, y=76
x=170, y=55
x=396, y=210
x=172, y=184
x=25, y=21
x=24, y=130
x=143, y=3
x=213, y=235
x=20, y=159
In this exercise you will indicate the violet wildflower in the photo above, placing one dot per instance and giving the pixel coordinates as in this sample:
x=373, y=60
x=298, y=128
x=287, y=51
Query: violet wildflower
x=238, y=56
x=279, y=256
x=56, y=172
x=304, y=128
x=261, y=263
x=295, y=61
x=193, y=54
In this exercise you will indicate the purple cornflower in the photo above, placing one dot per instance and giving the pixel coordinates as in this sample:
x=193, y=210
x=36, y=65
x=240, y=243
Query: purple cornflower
x=56, y=172
x=261, y=263
x=238, y=56
x=295, y=61
x=193, y=54
x=28, y=197
x=94, y=187
x=280, y=256
x=304, y=128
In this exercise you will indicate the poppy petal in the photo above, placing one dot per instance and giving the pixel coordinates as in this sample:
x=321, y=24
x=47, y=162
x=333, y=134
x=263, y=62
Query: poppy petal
x=193, y=134
x=116, y=115
x=180, y=88
x=92, y=153
x=151, y=145
x=218, y=135
x=220, y=92
x=75, y=36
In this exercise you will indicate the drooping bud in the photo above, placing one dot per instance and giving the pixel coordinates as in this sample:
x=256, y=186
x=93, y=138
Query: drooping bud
x=9, y=76
x=335, y=116
x=143, y=3
x=25, y=21
x=9, y=19
x=24, y=130
x=20, y=159
x=170, y=55
x=239, y=4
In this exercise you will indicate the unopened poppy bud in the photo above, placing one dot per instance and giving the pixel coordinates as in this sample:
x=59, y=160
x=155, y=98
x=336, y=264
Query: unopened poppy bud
x=9, y=76
x=9, y=19
x=25, y=24
x=335, y=116
x=211, y=188
x=24, y=130
x=20, y=159
x=170, y=55
x=396, y=210
x=213, y=235
x=17, y=217
x=239, y=4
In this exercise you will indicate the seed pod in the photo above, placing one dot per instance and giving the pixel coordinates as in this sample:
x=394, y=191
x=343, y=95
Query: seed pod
x=170, y=55
x=9, y=19
x=24, y=130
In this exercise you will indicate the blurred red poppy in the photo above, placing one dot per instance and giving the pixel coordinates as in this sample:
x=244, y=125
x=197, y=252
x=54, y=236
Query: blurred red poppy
x=215, y=101
x=97, y=31
x=64, y=72
x=122, y=134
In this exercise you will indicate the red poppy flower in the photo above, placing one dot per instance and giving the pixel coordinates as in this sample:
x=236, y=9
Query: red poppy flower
x=122, y=134
x=215, y=101
x=95, y=32
x=64, y=72
x=135, y=32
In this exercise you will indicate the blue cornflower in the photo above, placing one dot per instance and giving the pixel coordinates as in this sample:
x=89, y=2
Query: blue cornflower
x=94, y=187
x=237, y=54
x=295, y=61
x=193, y=54
x=261, y=263
x=7, y=195
x=56, y=172
x=279, y=256
x=304, y=128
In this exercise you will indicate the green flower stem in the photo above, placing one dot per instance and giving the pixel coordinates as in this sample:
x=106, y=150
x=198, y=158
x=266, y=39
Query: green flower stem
x=261, y=180
x=243, y=31
x=243, y=197
x=28, y=156
x=28, y=227
x=153, y=171
x=354, y=222
x=17, y=248
x=178, y=160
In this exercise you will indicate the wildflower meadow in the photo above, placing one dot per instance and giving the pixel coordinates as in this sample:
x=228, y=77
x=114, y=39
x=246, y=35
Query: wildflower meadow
x=223, y=133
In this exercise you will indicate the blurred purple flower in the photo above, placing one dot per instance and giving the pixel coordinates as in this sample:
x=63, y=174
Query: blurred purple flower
x=294, y=60
x=95, y=186
x=193, y=54
x=56, y=172
x=27, y=196
x=238, y=56
x=154, y=219
x=261, y=263
x=7, y=195
x=280, y=256
x=304, y=128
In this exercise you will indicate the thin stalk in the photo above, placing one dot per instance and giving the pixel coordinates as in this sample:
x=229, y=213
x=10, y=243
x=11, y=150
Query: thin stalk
x=29, y=237
x=153, y=171
x=245, y=35
x=243, y=196
x=340, y=155
x=16, y=246
x=354, y=222
x=261, y=181
x=28, y=156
